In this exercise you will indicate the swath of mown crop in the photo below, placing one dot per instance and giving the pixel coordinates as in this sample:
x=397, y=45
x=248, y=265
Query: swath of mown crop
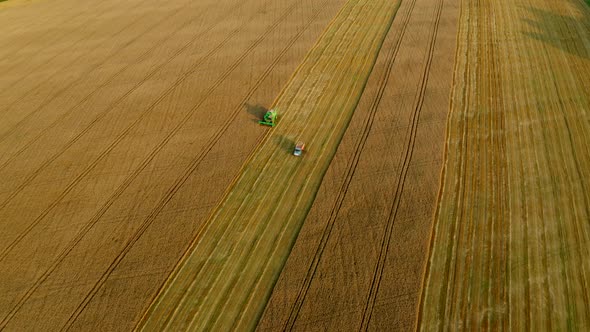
x=226, y=277
x=511, y=240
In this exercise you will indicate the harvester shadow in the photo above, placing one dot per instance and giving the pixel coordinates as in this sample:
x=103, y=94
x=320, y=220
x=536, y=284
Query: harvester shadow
x=257, y=111
x=566, y=33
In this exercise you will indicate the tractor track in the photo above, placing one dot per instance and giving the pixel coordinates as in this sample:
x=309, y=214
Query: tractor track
x=20, y=24
x=17, y=24
x=245, y=262
x=44, y=64
x=60, y=37
x=257, y=282
x=181, y=180
x=112, y=78
x=229, y=286
x=351, y=169
x=82, y=76
x=445, y=166
x=135, y=122
x=189, y=171
x=128, y=129
x=239, y=174
x=404, y=170
x=287, y=102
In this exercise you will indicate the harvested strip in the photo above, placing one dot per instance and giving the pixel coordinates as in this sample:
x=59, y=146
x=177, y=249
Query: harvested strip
x=511, y=238
x=228, y=274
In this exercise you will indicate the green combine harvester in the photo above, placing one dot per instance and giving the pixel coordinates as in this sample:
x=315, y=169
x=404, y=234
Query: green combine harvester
x=270, y=118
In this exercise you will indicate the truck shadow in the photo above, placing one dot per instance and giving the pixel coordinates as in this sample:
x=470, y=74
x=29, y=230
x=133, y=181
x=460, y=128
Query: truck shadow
x=257, y=111
x=284, y=143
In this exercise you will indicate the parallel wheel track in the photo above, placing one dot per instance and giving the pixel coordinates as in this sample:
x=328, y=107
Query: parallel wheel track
x=374, y=289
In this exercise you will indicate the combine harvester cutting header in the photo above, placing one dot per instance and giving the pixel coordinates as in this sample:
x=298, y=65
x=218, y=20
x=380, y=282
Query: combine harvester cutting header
x=270, y=118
